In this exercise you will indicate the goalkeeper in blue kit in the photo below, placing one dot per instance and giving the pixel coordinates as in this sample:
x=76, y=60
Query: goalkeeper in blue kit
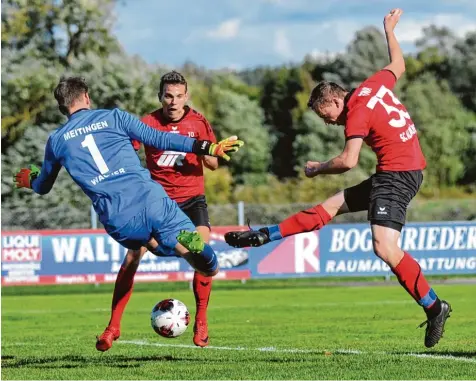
x=95, y=148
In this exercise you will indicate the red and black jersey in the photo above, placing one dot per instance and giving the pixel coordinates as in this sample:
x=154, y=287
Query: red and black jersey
x=377, y=116
x=180, y=173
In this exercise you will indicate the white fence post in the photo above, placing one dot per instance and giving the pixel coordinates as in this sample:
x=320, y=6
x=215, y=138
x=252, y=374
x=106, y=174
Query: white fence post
x=241, y=213
x=94, y=219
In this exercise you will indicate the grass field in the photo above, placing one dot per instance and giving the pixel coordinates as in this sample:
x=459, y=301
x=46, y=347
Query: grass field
x=256, y=333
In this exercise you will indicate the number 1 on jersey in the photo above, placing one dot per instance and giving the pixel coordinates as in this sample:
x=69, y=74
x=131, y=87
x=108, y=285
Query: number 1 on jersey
x=90, y=144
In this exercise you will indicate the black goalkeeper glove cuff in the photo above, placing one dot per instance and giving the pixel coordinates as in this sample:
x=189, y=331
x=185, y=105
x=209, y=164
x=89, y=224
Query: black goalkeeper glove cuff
x=201, y=147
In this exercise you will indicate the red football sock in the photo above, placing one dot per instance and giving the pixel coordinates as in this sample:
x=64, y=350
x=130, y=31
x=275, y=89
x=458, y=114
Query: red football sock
x=410, y=276
x=305, y=221
x=122, y=294
x=202, y=287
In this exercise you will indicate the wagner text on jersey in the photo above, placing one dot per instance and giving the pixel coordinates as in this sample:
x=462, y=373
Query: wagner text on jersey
x=104, y=176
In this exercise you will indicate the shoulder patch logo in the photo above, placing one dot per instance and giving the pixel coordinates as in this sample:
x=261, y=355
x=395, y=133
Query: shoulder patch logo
x=365, y=91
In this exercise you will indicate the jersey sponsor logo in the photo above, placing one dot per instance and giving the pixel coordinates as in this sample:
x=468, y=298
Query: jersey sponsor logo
x=175, y=130
x=171, y=158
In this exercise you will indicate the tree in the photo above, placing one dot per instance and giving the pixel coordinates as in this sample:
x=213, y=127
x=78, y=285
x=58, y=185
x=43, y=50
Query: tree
x=440, y=38
x=366, y=54
x=41, y=39
x=59, y=29
x=318, y=142
x=279, y=100
x=469, y=175
x=463, y=70
x=315, y=140
x=435, y=48
x=66, y=206
x=442, y=123
x=119, y=81
x=27, y=85
x=58, y=38
x=238, y=115
x=218, y=185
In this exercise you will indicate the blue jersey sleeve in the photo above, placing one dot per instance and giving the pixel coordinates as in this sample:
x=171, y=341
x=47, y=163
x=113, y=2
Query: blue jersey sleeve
x=152, y=137
x=49, y=171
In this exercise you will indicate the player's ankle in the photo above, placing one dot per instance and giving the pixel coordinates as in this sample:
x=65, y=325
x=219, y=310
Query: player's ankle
x=272, y=232
x=434, y=310
x=114, y=327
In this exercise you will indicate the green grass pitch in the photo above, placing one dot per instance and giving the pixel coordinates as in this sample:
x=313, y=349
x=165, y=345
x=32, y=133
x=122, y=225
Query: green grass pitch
x=261, y=332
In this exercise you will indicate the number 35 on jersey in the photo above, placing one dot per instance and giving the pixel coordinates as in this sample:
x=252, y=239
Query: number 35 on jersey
x=399, y=116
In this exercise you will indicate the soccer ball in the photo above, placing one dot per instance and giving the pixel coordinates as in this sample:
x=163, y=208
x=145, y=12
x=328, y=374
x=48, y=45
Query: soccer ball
x=170, y=318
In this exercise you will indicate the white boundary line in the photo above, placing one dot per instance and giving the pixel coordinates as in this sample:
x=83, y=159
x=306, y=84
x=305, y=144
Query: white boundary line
x=264, y=306
x=296, y=350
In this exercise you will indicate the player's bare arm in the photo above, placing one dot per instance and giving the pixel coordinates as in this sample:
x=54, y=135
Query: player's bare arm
x=344, y=162
x=210, y=162
x=397, y=62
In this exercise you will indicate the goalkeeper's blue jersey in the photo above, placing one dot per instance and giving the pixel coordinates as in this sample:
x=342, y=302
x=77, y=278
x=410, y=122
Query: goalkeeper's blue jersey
x=95, y=148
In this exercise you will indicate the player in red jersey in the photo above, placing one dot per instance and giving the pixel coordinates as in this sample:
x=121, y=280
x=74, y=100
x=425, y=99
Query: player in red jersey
x=371, y=114
x=181, y=175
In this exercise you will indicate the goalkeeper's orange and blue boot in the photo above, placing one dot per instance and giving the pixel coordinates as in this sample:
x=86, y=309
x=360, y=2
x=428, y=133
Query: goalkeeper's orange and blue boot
x=200, y=333
x=104, y=342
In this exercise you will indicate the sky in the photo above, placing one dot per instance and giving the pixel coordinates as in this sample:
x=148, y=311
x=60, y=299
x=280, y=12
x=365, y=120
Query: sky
x=239, y=34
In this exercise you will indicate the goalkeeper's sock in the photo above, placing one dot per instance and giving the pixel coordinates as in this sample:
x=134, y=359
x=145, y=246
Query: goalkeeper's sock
x=209, y=256
x=202, y=287
x=122, y=293
x=305, y=221
x=205, y=261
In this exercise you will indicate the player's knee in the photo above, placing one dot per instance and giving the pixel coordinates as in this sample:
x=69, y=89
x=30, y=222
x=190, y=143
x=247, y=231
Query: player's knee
x=206, y=263
x=388, y=252
x=335, y=205
x=211, y=268
x=212, y=273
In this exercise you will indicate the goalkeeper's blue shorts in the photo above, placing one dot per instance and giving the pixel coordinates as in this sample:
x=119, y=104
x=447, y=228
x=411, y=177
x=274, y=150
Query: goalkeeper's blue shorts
x=162, y=219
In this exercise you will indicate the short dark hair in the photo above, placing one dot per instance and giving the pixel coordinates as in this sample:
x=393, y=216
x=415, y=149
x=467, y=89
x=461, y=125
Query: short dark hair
x=69, y=89
x=324, y=91
x=171, y=78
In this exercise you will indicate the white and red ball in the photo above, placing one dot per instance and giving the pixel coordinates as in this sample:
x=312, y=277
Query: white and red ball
x=170, y=318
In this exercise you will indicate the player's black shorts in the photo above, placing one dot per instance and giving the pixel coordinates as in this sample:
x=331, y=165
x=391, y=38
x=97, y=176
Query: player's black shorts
x=386, y=196
x=196, y=209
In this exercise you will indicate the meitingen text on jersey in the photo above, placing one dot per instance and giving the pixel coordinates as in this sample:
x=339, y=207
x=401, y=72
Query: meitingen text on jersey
x=84, y=130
